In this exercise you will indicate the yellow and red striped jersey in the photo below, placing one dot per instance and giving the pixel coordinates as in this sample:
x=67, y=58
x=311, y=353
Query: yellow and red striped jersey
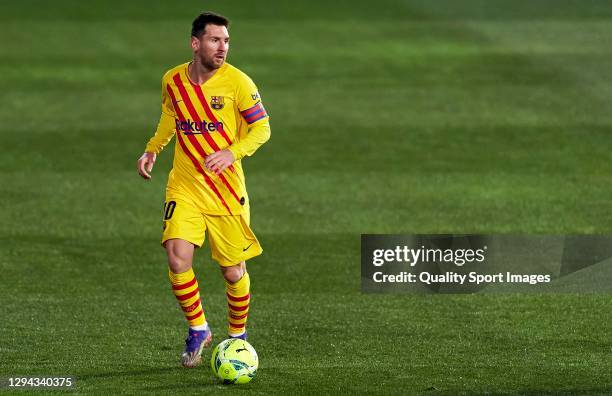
x=224, y=112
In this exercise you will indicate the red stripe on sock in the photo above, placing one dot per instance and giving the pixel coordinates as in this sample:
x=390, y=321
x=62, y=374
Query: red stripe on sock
x=234, y=298
x=188, y=295
x=192, y=307
x=185, y=285
x=235, y=308
x=238, y=317
x=238, y=326
x=192, y=317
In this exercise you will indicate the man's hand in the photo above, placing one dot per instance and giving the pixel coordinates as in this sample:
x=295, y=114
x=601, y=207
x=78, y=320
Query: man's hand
x=217, y=162
x=145, y=164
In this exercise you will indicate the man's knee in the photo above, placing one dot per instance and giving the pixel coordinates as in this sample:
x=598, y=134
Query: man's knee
x=180, y=255
x=232, y=274
x=177, y=263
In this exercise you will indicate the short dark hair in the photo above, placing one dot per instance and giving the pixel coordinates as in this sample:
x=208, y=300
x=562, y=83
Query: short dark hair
x=198, y=27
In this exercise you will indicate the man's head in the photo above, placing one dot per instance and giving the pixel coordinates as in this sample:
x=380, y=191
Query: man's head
x=210, y=39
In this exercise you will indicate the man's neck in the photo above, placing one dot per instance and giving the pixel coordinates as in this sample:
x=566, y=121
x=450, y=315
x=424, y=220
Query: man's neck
x=199, y=73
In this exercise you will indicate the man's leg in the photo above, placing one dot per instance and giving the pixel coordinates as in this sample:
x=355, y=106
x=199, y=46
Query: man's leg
x=185, y=288
x=232, y=243
x=184, y=282
x=237, y=291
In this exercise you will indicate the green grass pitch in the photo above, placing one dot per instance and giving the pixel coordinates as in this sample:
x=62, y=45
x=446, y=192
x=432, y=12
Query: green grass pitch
x=387, y=117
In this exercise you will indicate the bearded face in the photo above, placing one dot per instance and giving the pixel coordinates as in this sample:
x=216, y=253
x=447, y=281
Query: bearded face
x=212, y=47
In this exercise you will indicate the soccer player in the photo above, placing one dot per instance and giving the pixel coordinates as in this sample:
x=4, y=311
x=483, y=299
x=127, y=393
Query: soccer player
x=216, y=113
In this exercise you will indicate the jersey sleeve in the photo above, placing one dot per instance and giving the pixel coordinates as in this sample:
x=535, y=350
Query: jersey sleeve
x=166, y=126
x=252, y=110
x=167, y=106
x=249, y=101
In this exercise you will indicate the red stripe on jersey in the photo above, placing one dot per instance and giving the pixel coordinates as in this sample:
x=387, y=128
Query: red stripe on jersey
x=195, y=162
x=192, y=111
x=208, y=111
x=188, y=295
x=199, y=168
x=235, y=308
x=234, y=298
x=185, y=285
x=238, y=317
x=192, y=317
x=209, y=114
x=196, y=117
x=194, y=141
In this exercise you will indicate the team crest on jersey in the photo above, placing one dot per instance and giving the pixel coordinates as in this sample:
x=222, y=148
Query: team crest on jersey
x=217, y=102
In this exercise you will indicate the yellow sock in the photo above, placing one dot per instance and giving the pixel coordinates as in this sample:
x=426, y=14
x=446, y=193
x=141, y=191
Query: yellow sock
x=185, y=288
x=238, y=299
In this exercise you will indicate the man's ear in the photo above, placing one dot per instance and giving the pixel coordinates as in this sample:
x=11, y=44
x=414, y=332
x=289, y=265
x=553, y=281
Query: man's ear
x=195, y=43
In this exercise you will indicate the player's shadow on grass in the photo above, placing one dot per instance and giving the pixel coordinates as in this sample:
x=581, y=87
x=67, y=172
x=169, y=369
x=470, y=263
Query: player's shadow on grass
x=183, y=379
x=605, y=390
x=199, y=386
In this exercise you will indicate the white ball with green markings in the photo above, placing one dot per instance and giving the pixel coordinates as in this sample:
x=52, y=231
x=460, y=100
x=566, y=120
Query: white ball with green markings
x=234, y=361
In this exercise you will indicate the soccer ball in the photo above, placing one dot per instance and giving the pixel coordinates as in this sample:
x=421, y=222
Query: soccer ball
x=234, y=361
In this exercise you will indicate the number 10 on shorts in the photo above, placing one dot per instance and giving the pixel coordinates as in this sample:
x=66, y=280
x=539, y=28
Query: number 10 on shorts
x=169, y=209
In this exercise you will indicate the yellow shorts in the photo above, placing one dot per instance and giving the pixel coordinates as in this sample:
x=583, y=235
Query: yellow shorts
x=230, y=237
